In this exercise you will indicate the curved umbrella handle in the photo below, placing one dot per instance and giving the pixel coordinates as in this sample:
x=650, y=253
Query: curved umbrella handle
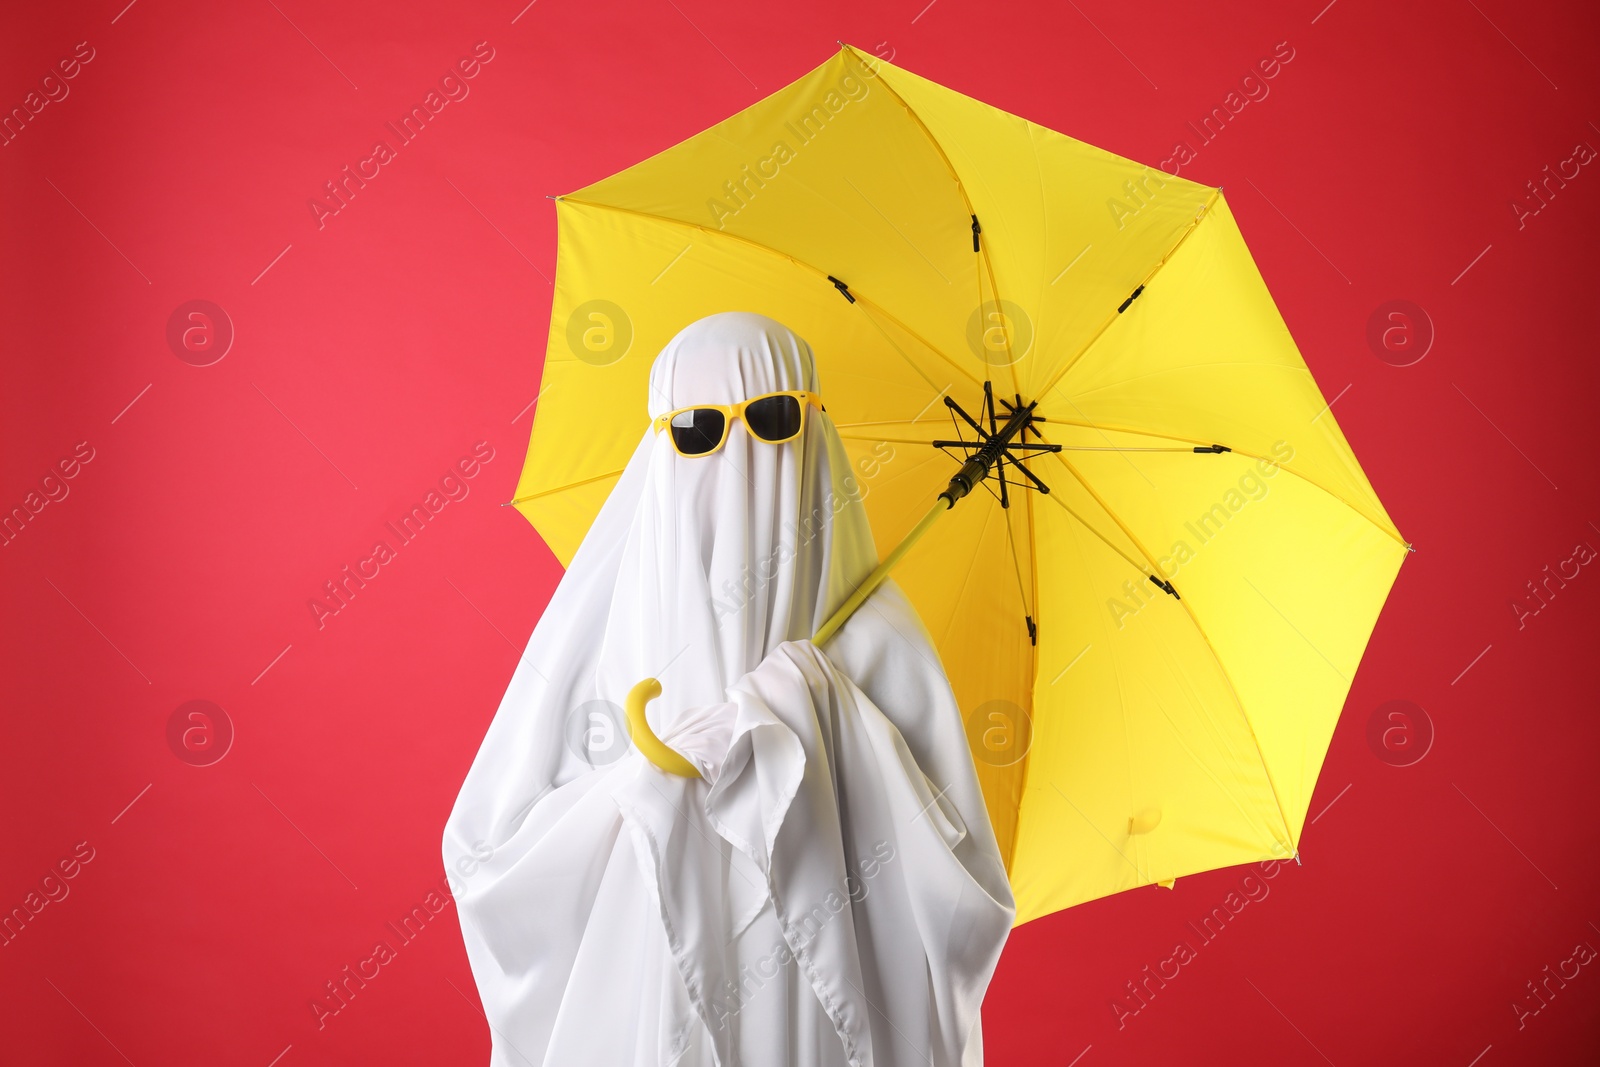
x=645, y=739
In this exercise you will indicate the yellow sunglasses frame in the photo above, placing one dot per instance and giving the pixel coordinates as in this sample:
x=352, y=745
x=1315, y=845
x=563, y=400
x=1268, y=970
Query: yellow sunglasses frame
x=736, y=411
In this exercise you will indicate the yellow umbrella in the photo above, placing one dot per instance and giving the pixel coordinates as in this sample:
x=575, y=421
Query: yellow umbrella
x=1152, y=621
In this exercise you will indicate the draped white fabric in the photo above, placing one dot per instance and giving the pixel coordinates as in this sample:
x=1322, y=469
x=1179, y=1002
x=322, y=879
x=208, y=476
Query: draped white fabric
x=830, y=892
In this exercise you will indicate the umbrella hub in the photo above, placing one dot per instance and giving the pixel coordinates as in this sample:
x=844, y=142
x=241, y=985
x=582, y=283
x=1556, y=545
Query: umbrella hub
x=1002, y=443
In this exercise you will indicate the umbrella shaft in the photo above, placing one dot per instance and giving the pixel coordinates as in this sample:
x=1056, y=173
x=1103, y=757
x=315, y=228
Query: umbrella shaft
x=973, y=471
x=977, y=466
x=880, y=572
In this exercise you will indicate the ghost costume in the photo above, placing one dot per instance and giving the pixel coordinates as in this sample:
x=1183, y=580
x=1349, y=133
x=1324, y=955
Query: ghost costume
x=829, y=892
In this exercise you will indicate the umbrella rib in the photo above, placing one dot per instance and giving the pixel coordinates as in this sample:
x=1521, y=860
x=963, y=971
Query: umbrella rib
x=905, y=471
x=569, y=485
x=930, y=422
x=1177, y=676
x=983, y=246
x=1122, y=698
x=972, y=569
x=1202, y=764
x=1195, y=619
x=1032, y=678
x=876, y=325
x=1259, y=365
x=1201, y=216
x=893, y=478
x=889, y=422
x=886, y=440
x=860, y=297
x=1044, y=217
x=1238, y=452
x=1087, y=525
x=1016, y=562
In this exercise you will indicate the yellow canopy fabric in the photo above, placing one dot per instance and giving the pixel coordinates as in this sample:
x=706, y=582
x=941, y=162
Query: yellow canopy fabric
x=1144, y=736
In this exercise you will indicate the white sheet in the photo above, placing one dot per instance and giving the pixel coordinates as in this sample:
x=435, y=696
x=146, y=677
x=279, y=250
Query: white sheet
x=831, y=892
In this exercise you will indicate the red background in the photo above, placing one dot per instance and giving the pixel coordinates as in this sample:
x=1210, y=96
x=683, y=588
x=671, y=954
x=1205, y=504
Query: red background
x=372, y=353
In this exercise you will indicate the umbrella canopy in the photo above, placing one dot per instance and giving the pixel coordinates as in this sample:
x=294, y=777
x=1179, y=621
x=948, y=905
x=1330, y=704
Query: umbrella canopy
x=1151, y=630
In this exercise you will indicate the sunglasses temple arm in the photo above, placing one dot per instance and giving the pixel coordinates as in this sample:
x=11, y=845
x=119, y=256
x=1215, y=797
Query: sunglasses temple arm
x=881, y=571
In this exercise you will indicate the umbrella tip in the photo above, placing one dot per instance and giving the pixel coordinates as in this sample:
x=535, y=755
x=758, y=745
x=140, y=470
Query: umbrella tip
x=547, y=196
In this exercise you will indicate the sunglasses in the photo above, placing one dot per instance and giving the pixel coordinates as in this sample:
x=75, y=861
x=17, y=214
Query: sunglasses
x=774, y=418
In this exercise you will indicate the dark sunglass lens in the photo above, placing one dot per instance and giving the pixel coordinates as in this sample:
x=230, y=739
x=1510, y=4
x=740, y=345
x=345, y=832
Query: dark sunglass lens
x=773, y=418
x=697, y=431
